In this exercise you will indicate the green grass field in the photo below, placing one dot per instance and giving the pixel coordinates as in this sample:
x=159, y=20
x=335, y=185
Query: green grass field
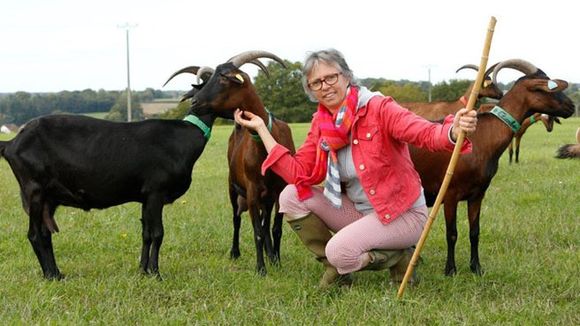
x=528, y=248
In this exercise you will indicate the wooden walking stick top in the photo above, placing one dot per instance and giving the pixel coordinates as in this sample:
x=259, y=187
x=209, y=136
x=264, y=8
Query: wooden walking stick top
x=452, y=162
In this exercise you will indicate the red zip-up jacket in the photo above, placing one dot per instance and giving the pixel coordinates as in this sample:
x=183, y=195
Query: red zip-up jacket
x=380, y=132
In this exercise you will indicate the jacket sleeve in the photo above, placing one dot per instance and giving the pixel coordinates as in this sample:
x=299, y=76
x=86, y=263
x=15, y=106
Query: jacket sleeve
x=405, y=126
x=289, y=166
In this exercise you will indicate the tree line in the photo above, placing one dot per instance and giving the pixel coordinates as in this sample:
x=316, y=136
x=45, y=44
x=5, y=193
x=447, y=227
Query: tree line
x=282, y=94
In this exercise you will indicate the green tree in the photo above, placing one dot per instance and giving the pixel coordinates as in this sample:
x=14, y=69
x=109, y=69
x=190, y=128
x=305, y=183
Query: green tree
x=402, y=92
x=451, y=91
x=282, y=92
x=119, y=110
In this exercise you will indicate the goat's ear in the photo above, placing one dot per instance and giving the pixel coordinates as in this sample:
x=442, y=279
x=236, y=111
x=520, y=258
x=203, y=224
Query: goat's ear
x=487, y=82
x=550, y=85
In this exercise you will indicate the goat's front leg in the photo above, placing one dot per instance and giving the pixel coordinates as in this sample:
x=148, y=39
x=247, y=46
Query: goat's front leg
x=152, y=232
x=450, y=208
x=474, y=210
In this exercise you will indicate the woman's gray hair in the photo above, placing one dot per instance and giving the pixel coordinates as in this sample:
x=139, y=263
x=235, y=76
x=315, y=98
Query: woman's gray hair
x=331, y=57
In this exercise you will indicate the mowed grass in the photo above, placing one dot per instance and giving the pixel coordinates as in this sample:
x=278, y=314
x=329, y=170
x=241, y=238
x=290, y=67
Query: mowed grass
x=528, y=248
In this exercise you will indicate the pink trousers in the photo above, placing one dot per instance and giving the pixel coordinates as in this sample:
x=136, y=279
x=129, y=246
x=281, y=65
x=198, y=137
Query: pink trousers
x=354, y=234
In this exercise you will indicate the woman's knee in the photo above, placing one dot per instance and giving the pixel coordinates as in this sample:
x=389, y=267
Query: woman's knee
x=341, y=255
x=290, y=204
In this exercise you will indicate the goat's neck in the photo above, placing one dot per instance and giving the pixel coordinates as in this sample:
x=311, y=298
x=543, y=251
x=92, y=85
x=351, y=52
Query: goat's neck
x=254, y=104
x=516, y=106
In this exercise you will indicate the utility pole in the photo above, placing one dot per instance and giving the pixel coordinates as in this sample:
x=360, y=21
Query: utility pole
x=127, y=27
x=429, y=72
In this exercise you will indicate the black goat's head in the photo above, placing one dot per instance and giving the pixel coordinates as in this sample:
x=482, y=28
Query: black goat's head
x=537, y=91
x=230, y=88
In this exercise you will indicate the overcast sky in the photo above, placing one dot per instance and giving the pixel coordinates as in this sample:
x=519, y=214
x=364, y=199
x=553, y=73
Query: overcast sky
x=49, y=46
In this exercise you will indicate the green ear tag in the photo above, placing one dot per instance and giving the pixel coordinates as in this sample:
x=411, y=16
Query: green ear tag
x=552, y=84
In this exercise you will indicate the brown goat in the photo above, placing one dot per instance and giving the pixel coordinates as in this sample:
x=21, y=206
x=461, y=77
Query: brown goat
x=438, y=110
x=548, y=122
x=534, y=92
x=570, y=150
x=230, y=88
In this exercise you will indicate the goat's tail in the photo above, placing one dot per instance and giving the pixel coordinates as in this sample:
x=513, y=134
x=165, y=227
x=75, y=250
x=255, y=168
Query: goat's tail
x=568, y=151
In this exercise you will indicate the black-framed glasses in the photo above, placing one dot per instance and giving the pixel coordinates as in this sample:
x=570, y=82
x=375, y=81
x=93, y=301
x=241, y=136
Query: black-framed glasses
x=330, y=80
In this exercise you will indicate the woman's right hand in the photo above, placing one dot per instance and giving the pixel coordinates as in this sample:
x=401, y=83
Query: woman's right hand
x=248, y=120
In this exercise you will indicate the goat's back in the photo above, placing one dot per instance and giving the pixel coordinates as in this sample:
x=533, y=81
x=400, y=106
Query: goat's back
x=91, y=163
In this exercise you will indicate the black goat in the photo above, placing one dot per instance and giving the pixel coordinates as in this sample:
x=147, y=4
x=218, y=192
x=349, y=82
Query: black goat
x=89, y=163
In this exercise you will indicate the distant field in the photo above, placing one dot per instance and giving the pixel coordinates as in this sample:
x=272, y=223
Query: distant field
x=99, y=115
x=528, y=248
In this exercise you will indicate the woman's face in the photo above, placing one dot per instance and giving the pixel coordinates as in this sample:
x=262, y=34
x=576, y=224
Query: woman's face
x=328, y=85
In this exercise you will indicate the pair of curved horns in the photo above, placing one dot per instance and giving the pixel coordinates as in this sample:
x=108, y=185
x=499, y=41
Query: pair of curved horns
x=476, y=68
x=518, y=64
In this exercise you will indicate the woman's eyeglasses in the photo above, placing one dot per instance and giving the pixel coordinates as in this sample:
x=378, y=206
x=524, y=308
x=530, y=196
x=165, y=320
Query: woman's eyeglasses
x=330, y=80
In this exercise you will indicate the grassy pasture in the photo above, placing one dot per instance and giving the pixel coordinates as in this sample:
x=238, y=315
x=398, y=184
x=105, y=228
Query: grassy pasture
x=528, y=248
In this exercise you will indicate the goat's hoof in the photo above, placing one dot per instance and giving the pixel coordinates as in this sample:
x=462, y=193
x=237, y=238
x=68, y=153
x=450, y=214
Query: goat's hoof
x=477, y=270
x=54, y=276
x=261, y=271
x=234, y=255
x=450, y=271
x=275, y=261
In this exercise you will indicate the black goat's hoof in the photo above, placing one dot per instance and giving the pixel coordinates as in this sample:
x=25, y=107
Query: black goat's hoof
x=477, y=270
x=450, y=271
x=261, y=271
x=54, y=276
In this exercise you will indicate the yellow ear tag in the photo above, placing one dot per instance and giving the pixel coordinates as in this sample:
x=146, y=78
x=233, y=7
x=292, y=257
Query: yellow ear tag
x=240, y=78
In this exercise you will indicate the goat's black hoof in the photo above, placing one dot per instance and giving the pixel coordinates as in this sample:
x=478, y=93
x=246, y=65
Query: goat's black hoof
x=275, y=261
x=450, y=271
x=58, y=276
x=261, y=271
x=234, y=255
x=477, y=270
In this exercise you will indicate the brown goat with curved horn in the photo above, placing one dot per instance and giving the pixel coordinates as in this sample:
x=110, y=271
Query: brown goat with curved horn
x=438, y=110
x=228, y=89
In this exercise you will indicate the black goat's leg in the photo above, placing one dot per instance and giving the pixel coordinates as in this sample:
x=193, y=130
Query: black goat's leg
x=450, y=208
x=40, y=237
x=474, y=210
x=237, y=222
x=146, y=235
x=152, y=211
x=257, y=224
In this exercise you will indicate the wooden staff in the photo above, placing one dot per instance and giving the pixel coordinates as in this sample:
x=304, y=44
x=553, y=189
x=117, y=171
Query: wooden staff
x=452, y=162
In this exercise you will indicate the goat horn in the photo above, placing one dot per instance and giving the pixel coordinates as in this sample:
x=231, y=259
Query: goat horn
x=204, y=73
x=249, y=56
x=190, y=69
x=518, y=64
x=489, y=70
x=468, y=66
x=262, y=66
